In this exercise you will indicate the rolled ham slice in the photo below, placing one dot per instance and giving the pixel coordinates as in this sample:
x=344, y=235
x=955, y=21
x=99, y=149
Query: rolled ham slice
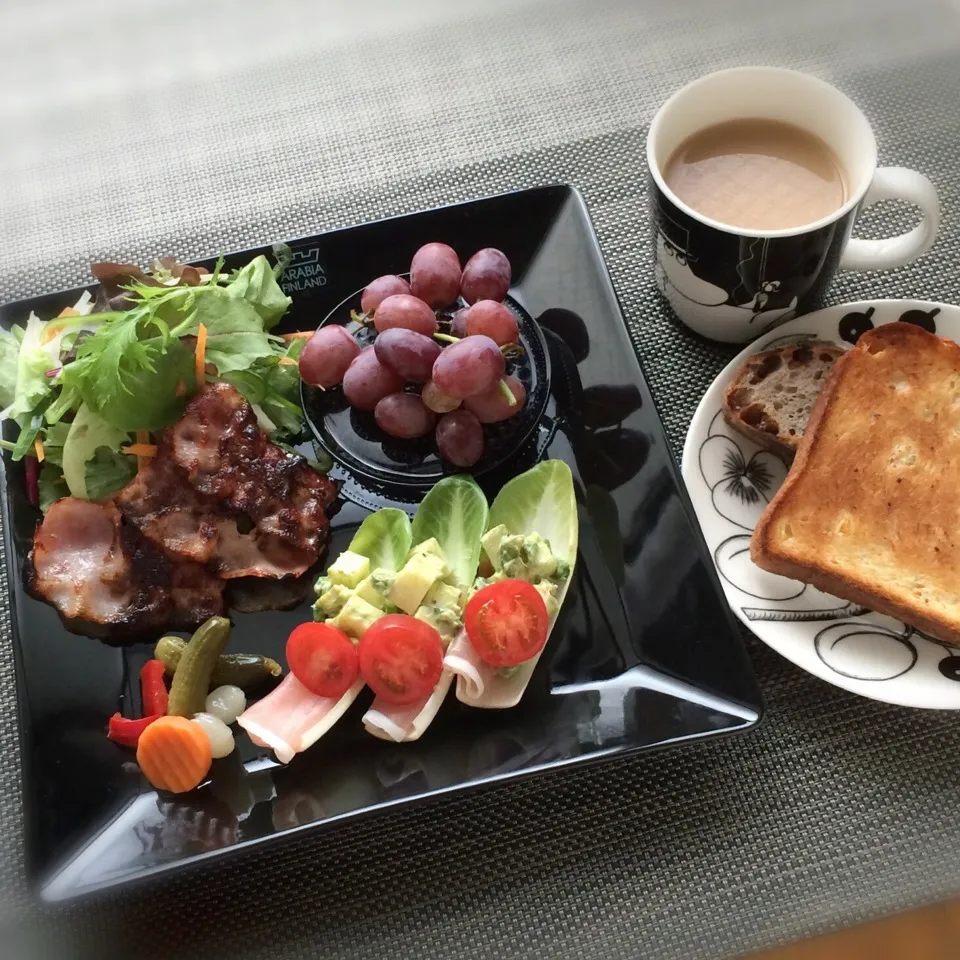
x=291, y=719
x=406, y=723
x=479, y=684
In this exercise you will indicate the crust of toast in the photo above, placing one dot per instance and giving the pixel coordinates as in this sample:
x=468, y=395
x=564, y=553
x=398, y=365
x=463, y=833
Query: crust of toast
x=870, y=511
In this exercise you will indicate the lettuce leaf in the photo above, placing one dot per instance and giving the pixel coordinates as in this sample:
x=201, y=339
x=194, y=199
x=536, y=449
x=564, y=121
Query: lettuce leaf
x=110, y=364
x=543, y=501
x=384, y=538
x=152, y=401
x=55, y=436
x=284, y=257
x=33, y=387
x=235, y=331
x=275, y=388
x=455, y=512
x=251, y=385
x=88, y=432
x=51, y=486
x=256, y=283
x=30, y=428
x=9, y=353
x=107, y=472
x=68, y=400
x=282, y=400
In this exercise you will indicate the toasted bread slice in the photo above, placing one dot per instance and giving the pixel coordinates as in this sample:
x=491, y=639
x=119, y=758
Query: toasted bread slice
x=869, y=511
x=771, y=397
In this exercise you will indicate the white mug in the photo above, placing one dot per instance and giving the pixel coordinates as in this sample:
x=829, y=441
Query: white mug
x=733, y=284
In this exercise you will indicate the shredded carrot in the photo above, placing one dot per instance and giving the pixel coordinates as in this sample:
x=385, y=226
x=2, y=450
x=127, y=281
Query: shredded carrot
x=141, y=449
x=38, y=447
x=181, y=390
x=299, y=335
x=51, y=329
x=143, y=440
x=287, y=362
x=174, y=754
x=201, y=357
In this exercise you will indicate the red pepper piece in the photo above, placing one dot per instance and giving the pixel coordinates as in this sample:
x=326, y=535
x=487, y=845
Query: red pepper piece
x=153, y=688
x=127, y=732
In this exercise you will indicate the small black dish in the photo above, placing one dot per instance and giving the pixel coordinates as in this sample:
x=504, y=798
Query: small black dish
x=645, y=654
x=404, y=467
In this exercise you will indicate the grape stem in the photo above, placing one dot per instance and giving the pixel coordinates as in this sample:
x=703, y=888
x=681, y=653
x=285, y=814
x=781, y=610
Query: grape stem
x=508, y=393
x=446, y=338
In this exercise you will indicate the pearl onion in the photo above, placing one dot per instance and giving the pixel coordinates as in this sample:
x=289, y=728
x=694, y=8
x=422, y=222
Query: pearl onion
x=226, y=703
x=218, y=733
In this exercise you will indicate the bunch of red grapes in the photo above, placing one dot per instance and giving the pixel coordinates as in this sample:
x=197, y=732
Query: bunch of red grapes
x=461, y=375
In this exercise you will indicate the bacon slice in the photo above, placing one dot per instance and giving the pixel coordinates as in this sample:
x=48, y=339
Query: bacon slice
x=218, y=502
x=92, y=568
x=256, y=554
x=291, y=719
x=195, y=594
x=80, y=565
x=218, y=492
x=226, y=455
x=167, y=510
x=184, y=523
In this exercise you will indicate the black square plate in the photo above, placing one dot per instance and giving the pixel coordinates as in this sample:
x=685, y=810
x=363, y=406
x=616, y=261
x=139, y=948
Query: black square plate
x=645, y=653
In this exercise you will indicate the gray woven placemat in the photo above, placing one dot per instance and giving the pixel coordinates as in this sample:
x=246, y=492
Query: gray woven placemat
x=278, y=123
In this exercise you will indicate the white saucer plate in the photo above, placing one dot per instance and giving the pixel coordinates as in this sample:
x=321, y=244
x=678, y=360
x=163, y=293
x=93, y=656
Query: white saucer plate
x=730, y=480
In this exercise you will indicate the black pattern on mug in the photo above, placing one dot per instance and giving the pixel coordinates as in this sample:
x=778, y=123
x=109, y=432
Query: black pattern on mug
x=713, y=277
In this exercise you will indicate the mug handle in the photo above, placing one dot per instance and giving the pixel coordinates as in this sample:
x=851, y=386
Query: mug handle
x=896, y=183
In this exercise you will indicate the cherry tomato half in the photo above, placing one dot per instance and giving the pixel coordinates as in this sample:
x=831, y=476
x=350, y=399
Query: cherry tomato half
x=401, y=658
x=323, y=659
x=507, y=622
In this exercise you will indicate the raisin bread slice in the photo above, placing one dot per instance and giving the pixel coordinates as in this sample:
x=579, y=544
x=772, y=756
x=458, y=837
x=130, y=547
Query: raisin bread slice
x=770, y=398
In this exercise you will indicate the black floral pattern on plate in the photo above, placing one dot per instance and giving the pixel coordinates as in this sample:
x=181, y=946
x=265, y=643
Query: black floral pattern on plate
x=950, y=667
x=740, y=485
x=855, y=324
x=746, y=479
x=891, y=653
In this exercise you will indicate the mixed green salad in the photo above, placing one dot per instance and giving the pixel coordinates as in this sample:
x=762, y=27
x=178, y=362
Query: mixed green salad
x=89, y=387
